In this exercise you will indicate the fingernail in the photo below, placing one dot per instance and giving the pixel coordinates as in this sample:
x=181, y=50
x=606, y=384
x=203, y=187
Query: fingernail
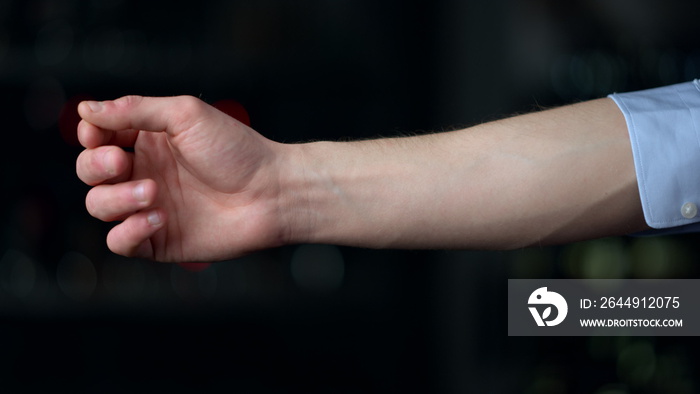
x=154, y=219
x=139, y=192
x=95, y=106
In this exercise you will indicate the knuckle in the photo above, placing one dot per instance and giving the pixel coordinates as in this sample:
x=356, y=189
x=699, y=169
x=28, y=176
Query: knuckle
x=190, y=104
x=128, y=101
x=187, y=109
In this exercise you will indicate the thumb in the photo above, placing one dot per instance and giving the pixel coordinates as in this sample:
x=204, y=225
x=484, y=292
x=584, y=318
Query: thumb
x=170, y=114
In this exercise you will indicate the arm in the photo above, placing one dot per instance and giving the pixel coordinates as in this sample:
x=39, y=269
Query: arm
x=215, y=189
x=550, y=177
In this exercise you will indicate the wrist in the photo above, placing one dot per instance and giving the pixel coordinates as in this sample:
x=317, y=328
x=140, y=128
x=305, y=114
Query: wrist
x=314, y=205
x=294, y=208
x=340, y=193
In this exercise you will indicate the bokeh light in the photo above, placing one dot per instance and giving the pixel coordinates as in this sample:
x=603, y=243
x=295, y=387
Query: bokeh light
x=659, y=258
x=54, y=42
x=17, y=273
x=318, y=268
x=598, y=259
x=103, y=49
x=195, y=267
x=43, y=102
x=636, y=364
x=193, y=285
x=124, y=279
x=76, y=276
x=233, y=109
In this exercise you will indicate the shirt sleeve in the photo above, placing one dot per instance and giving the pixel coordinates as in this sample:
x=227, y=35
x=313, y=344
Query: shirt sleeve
x=663, y=125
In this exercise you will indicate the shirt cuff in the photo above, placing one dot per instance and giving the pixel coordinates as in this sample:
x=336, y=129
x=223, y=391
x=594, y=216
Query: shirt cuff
x=663, y=125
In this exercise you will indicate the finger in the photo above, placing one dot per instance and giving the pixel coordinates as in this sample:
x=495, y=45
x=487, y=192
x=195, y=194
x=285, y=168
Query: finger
x=171, y=114
x=91, y=136
x=131, y=238
x=113, y=202
x=104, y=164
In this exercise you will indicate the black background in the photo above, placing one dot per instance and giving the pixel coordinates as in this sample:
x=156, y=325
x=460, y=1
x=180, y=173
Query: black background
x=73, y=317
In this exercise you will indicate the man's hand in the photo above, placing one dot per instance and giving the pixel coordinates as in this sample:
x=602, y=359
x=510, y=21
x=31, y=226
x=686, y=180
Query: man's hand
x=199, y=185
x=202, y=186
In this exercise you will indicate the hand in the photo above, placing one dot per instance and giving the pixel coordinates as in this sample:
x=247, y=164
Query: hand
x=199, y=185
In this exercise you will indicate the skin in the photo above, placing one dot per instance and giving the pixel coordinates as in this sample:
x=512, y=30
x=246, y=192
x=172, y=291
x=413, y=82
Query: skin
x=201, y=186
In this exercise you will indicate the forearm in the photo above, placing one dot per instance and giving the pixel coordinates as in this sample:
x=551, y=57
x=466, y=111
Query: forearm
x=549, y=177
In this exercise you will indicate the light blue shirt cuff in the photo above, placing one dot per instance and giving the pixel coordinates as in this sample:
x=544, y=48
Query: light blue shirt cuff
x=663, y=125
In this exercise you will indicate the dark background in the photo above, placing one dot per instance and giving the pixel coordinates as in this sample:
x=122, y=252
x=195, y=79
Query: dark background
x=315, y=319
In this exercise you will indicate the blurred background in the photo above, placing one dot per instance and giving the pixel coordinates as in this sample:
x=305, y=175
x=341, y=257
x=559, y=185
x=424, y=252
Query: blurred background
x=315, y=318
